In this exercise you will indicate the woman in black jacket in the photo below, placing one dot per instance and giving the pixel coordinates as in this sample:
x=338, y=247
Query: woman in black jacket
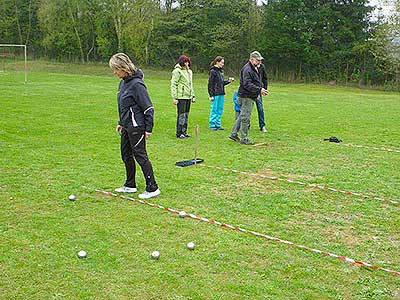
x=135, y=124
x=216, y=91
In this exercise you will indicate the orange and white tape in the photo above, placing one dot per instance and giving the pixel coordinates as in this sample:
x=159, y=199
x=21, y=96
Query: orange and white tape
x=268, y=237
x=314, y=185
x=370, y=147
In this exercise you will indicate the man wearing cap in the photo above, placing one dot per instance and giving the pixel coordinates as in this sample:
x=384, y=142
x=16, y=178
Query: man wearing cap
x=250, y=88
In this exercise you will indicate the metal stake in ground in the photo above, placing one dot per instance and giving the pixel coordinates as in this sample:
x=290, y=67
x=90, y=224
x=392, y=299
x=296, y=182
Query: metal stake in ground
x=196, y=145
x=190, y=162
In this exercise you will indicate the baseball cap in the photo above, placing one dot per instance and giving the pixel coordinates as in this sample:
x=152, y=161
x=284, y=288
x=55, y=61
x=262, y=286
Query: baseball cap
x=256, y=55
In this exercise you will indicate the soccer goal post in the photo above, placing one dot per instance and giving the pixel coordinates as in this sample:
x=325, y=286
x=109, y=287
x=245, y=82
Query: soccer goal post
x=25, y=57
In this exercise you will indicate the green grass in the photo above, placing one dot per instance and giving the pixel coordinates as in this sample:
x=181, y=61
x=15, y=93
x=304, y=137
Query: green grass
x=57, y=134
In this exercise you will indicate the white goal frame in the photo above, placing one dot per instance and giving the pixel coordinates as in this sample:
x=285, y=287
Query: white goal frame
x=25, y=57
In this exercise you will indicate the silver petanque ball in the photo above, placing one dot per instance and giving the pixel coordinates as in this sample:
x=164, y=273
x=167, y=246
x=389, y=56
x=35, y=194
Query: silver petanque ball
x=72, y=197
x=190, y=245
x=182, y=214
x=155, y=255
x=82, y=254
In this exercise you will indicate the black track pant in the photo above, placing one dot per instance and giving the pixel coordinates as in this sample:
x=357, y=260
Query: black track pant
x=133, y=147
x=183, y=107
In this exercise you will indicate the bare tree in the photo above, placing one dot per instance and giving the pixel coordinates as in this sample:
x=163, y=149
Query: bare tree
x=75, y=25
x=17, y=21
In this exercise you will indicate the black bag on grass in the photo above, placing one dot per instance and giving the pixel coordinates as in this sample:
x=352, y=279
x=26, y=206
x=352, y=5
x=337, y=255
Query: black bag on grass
x=333, y=139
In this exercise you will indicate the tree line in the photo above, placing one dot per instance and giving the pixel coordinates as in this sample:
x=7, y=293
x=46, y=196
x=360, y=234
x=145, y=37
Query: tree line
x=301, y=40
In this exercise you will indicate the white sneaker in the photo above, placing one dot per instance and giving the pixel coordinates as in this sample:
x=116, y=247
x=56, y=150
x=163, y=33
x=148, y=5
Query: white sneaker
x=147, y=195
x=264, y=129
x=126, y=189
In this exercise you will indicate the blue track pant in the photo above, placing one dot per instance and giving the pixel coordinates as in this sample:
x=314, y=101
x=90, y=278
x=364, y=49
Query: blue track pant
x=217, y=108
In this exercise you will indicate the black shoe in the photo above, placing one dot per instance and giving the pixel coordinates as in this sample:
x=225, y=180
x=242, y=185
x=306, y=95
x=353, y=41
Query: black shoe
x=187, y=135
x=181, y=136
x=246, y=142
x=234, y=138
x=220, y=128
x=213, y=128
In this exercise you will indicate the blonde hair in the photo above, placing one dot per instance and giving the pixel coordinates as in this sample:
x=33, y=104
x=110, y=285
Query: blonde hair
x=121, y=61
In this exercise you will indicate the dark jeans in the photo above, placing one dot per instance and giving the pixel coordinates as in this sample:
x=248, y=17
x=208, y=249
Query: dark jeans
x=183, y=108
x=133, y=147
x=260, y=111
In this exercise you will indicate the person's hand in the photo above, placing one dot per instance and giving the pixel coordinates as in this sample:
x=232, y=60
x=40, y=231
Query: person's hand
x=264, y=92
x=193, y=99
x=147, y=134
x=175, y=101
x=231, y=79
x=211, y=99
x=118, y=129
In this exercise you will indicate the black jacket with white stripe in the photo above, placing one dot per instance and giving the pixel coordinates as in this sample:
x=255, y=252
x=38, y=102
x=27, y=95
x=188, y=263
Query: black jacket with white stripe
x=135, y=109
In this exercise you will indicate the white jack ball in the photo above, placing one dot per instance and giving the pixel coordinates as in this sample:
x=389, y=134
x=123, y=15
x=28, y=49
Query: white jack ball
x=190, y=245
x=155, y=255
x=82, y=254
x=72, y=197
x=182, y=214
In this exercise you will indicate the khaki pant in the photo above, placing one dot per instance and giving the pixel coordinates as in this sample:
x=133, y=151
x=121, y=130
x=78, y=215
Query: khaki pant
x=242, y=123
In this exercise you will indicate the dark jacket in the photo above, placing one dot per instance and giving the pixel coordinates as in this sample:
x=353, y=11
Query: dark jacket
x=216, y=82
x=250, y=82
x=134, y=105
x=263, y=74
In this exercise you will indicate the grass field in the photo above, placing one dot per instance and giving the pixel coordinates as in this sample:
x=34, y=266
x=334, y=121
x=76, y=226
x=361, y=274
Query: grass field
x=57, y=134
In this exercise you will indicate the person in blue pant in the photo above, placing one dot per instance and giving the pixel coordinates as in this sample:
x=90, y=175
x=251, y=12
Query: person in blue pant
x=259, y=101
x=216, y=91
x=236, y=105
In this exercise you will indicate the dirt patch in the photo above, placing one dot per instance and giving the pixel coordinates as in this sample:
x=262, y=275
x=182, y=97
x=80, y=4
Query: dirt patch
x=345, y=233
x=332, y=227
x=268, y=172
x=260, y=179
x=396, y=294
x=261, y=184
x=229, y=191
